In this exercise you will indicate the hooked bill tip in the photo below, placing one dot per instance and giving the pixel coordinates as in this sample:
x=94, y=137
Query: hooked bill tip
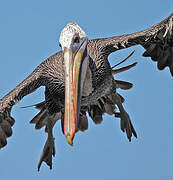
x=69, y=140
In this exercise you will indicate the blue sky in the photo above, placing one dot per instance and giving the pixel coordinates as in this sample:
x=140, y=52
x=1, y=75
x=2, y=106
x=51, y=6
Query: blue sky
x=29, y=32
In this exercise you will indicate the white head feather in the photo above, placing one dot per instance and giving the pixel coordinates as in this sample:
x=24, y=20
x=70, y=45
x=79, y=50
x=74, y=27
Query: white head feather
x=67, y=34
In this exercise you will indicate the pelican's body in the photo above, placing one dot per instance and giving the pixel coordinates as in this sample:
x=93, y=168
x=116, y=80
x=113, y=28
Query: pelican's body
x=101, y=82
x=79, y=79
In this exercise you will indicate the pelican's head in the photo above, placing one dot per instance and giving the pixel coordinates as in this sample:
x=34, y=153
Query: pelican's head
x=73, y=42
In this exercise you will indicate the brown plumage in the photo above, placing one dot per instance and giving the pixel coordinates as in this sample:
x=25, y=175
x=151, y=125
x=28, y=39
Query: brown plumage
x=102, y=98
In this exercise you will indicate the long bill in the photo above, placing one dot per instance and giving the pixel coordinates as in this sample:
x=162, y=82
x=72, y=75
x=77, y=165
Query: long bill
x=73, y=69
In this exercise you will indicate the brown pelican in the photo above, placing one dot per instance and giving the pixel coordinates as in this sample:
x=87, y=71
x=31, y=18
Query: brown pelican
x=79, y=80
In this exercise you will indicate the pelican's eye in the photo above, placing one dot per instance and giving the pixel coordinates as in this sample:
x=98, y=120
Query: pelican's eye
x=60, y=45
x=76, y=39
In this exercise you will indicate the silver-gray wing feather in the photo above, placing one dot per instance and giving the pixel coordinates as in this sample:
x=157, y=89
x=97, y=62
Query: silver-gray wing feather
x=40, y=77
x=30, y=84
x=157, y=40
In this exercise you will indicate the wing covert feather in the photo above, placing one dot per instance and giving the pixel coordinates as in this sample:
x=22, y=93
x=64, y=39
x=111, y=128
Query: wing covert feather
x=157, y=41
x=37, y=78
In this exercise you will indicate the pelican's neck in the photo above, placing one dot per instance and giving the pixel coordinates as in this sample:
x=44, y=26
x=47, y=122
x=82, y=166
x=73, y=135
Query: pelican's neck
x=87, y=87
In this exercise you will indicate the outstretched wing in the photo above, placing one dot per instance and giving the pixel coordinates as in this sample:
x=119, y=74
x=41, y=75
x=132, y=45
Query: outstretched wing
x=157, y=40
x=30, y=84
x=36, y=79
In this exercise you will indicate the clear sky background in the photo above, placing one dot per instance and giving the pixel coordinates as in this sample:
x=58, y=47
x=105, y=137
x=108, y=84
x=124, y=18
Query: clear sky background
x=29, y=33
